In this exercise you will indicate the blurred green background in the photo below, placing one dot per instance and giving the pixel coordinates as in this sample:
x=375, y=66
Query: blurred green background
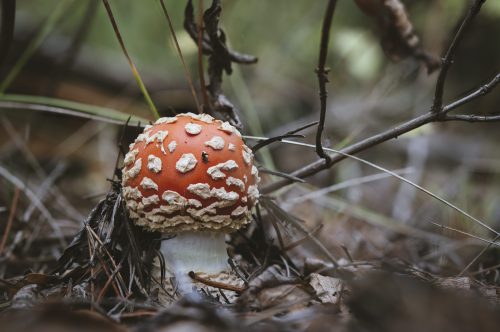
x=367, y=94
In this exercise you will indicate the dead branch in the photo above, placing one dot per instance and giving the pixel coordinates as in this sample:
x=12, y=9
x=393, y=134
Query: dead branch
x=450, y=54
x=211, y=41
x=322, y=74
x=430, y=116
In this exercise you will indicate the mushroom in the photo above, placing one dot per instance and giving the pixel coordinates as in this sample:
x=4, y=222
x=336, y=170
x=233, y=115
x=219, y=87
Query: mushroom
x=192, y=176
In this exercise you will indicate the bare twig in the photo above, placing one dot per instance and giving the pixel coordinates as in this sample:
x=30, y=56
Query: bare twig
x=207, y=47
x=431, y=116
x=322, y=164
x=12, y=213
x=212, y=42
x=471, y=118
x=215, y=284
x=323, y=75
x=450, y=53
x=289, y=134
x=485, y=89
x=186, y=70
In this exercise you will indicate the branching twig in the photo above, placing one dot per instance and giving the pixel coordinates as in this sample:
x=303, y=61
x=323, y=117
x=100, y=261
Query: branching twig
x=212, y=42
x=191, y=27
x=322, y=73
x=399, y=130
x=476, y=94
x=450, y=53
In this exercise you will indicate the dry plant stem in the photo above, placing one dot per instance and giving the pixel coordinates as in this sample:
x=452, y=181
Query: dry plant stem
x=203, y=87
x=476, y=94
x=186, y=70
x=12, y=213
x=491, y=242
x=471, y=118
x=447, y=61
x=135, y=72
x=323, y=75
x=436, y=114
x=215, y=284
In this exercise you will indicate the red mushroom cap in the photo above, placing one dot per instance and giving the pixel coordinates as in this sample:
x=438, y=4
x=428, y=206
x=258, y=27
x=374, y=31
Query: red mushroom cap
x=190, y=172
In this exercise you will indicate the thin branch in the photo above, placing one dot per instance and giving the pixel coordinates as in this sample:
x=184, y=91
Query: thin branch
x=176, y=42
x=450, y=53
x=323, y=75
x=135, y=72
x=207, y=47
x=485, y=89
x=288, y=134
x=322, y=164
x=215, y=284
x=471, y=118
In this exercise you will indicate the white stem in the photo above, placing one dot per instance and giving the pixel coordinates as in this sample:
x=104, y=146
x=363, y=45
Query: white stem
x=194, y=251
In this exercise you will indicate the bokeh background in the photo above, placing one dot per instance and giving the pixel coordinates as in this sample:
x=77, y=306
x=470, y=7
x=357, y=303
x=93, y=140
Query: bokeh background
x=65, y=161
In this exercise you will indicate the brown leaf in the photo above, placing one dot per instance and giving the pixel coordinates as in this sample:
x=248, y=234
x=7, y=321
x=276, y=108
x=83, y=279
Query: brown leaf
x=327, y=289
x=398, y=37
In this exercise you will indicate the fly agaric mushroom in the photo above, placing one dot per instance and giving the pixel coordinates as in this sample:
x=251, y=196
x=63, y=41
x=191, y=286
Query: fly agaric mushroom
x=192, y=176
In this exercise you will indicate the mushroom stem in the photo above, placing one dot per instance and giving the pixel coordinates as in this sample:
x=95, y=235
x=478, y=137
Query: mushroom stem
x=194, y=251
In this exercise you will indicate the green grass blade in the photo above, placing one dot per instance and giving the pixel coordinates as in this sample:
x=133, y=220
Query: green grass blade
x=66, y=107
x=135, y=72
